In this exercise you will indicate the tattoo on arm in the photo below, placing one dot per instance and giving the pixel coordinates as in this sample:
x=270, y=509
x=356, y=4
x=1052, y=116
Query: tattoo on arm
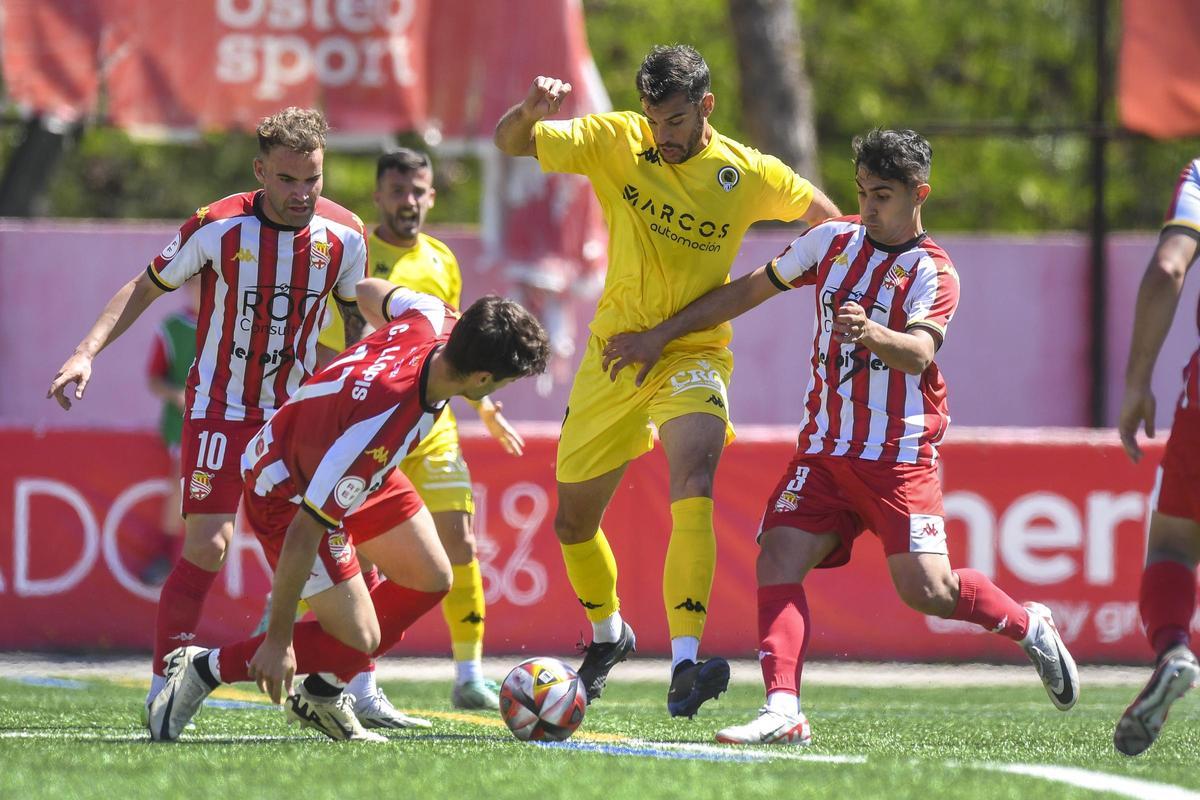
x=353, y=321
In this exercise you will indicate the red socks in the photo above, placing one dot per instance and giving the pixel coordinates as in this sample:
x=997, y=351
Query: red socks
x=783, y=630
x=179, y=608
x=396, y=607
x=981, y=602
x=1167, y=601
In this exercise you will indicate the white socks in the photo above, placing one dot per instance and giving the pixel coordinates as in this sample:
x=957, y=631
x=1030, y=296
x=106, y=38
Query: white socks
x=784, y=703
x=608, y=629
x=684, y=648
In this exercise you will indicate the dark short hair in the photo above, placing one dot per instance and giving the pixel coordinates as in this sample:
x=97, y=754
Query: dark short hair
x=667, y=70
x=902, y=155
x=404, y=160
x=499, y=336
x=301, y=130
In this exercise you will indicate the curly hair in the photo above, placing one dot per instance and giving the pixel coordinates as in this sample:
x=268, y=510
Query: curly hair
x=901, y=155
x=499, y=336
x=301, y=130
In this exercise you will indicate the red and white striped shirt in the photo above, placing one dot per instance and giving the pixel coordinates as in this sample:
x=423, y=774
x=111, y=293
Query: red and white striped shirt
x=1185, y=213
x=263, y=290
x=855, y=405
x=337, y=438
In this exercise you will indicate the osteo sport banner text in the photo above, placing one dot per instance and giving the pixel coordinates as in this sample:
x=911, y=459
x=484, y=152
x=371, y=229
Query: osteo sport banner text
x=1058, y=518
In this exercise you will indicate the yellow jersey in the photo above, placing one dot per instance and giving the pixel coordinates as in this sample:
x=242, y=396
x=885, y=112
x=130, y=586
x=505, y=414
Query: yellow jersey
x=674, y=229
x=428, y=266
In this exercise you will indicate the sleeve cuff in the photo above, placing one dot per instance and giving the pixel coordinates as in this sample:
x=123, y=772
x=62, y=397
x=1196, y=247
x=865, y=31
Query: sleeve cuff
x=387, y=303
x=319, y=515
x=353, y=301
x=939, y=332
x=779, y=282
x=157, y=280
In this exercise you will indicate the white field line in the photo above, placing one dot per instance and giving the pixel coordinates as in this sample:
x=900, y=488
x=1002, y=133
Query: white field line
x=1098, y=781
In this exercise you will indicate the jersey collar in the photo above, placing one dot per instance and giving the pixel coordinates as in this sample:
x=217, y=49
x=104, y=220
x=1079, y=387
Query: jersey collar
x=424, y=382
x=904, y=247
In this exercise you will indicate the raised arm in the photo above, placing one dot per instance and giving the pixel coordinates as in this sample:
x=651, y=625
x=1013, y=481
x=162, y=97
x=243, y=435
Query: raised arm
x=1157, y=299
x=122, y=309
x=720, y=305
x=514, y=131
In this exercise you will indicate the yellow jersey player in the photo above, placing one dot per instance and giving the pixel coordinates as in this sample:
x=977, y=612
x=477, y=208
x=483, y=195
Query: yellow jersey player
x=678, y=198
x=399, y=252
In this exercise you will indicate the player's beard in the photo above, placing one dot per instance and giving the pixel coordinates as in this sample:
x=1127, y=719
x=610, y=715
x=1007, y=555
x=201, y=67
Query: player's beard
x=405, y=229
x=693, y=145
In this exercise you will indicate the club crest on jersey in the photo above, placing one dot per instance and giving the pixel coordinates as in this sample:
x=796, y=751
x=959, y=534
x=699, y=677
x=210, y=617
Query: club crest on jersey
x=788, y=501
x=340, y=548
x=200, y=486
x=728, y=177
x=320, y=255
x=895, y=276
x=347, y=490
x=380, y=454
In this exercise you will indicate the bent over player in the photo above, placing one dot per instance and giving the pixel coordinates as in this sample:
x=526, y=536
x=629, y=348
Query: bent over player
x=678, y=197
x=1167, y=598
x=874, y=412
x=321, y=482
x=266, y=261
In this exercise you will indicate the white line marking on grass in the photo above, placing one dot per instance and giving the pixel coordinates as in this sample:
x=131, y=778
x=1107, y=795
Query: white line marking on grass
x=88, y=736
x=1099, y=781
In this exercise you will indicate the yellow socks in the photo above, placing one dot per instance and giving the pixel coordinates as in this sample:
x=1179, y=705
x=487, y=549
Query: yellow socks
x=688, y=572
x=592, y=571
x=463, y=609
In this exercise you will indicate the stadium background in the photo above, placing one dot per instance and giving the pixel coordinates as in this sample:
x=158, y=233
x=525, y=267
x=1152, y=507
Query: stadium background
x=1054, y=514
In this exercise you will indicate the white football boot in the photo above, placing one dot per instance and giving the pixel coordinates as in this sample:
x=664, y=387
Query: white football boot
x=770, y=727
x=173, y=707
x=1176, y=673
x=374, y=710
x=1049, y=655
x=332, y=716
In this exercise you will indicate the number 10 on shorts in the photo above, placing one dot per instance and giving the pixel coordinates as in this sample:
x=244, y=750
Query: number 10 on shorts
x=211, y=451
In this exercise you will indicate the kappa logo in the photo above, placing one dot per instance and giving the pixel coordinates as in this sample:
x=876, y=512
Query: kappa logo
x=588, y=605
x=380, y=454
x=244, y=255
x=926, y=533
x=652, y=156
x=320, y=255
x=200, y=485
x=201, y=213
x=692, y=605
x=473, y=619
x=182, y=637
x=716, y=401
x=841, y=260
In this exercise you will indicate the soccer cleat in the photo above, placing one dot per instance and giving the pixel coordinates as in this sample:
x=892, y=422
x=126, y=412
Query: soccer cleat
x=376, y=711
x=1176, y=672
x=693, y=684
x=173, y=707
x=600, y=657
x=770, y=727
x=1049, y=655
x=332, y=716
x=477, y=695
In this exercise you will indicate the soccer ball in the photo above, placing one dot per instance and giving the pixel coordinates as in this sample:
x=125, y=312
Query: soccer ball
x=542, y=699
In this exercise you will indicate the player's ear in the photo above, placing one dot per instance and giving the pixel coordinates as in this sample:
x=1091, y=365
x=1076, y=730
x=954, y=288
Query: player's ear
x=922, y=192
x=259, y=170
x=707, y=103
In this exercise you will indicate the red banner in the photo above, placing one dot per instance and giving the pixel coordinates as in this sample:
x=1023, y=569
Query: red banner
x=1060, y=520
x=447, y=69
x=1158, y=85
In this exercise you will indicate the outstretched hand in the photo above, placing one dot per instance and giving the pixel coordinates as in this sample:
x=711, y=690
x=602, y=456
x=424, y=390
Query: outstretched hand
x=545, y=96
x=1137, y=409
x=77, y=370
x=627, y=349
x=501, y=429
x=273, y=668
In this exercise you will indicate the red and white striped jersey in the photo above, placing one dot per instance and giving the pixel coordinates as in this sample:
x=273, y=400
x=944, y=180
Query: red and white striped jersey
x=337, y=438
x=1185, y=213
x=855, y=405
x=263, y=289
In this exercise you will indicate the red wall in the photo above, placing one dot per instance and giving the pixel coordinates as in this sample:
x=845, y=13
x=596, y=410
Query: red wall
x=1057, y=517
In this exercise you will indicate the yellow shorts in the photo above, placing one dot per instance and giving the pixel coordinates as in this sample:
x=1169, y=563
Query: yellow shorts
x=608, y=423
x=441, y=478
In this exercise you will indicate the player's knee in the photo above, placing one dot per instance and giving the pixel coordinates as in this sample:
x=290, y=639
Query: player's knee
x=365, y=637
x=694, y=484
x=570, y=530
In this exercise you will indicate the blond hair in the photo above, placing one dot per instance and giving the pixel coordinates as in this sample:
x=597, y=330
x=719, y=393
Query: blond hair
x=301, y=130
